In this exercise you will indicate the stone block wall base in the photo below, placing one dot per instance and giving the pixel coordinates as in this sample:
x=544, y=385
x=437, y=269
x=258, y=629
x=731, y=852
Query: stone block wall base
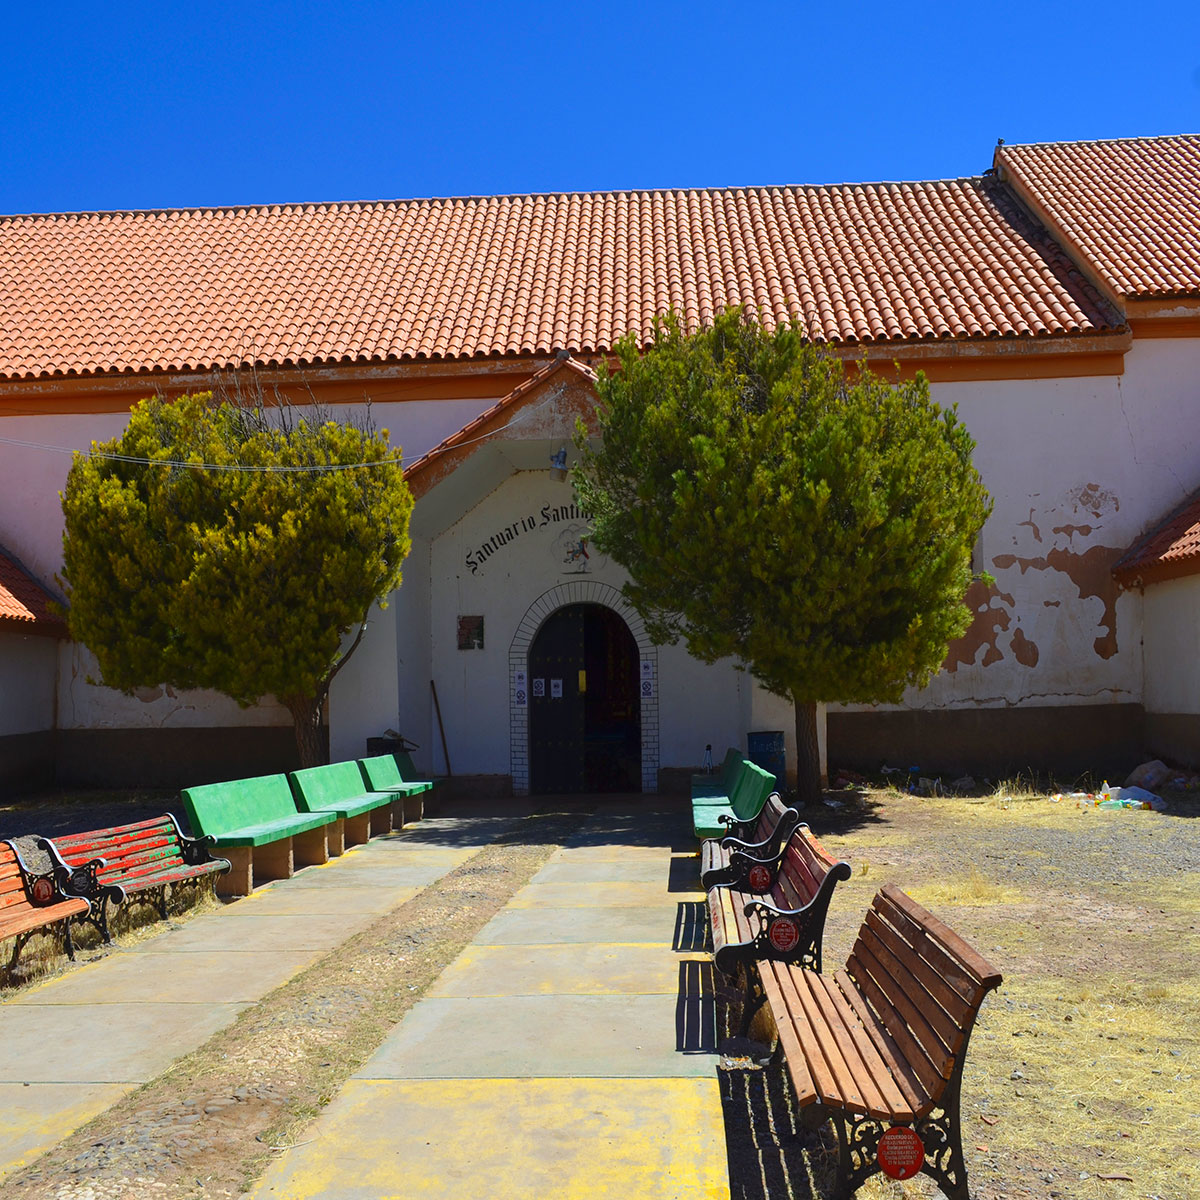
x=312, y=848
x=274, y=860
x=358, y=829
x=239, y=879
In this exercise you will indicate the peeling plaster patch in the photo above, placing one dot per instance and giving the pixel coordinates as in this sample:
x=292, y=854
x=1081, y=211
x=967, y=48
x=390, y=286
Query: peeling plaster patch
x=985, y=629
x=1090, y=572
x=148, y=695
x=1024, y=651
x=1052, y=604
x=1037, y=533
x=1091, y=497
x=1072, y=530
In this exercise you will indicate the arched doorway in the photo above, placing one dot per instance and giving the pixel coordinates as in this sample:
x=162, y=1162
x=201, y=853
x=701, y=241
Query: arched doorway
x=585, y=732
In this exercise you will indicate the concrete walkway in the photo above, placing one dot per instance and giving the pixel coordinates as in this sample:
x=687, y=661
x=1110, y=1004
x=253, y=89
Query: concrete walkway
x=567, y=1052
x=76, y=1044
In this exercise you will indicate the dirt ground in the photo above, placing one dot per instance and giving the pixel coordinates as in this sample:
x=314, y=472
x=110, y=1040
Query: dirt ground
x=1080, y=1080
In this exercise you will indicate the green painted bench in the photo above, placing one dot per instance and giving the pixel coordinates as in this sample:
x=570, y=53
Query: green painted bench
x=338, y=788
x=384, y=773
x=256, y=825
x=717, y=785
x=736, y=813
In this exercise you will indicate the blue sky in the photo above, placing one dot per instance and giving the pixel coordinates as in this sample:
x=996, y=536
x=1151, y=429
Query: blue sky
x=173, y=105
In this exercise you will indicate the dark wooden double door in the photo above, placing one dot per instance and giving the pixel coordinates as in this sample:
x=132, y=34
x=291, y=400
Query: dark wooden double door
x=584, y=704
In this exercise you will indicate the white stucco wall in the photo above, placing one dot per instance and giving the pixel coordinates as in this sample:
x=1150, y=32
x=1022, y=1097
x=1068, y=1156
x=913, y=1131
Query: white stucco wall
x=696, y=704
x=27, y=670
x=1172, y=646
x=34, y=460
x=1078, y=469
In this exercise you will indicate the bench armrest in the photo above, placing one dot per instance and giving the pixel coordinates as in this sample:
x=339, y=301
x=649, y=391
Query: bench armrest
x=195, y=851
x=82, y=880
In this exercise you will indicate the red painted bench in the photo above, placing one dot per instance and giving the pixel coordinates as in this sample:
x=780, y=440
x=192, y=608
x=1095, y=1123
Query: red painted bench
x=779, y=916
x=881, y=1043
x=29, y=902
x=111, y=865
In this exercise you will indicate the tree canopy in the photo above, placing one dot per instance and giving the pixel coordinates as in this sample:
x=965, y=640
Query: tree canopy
x=812, y=521
x=232, y=546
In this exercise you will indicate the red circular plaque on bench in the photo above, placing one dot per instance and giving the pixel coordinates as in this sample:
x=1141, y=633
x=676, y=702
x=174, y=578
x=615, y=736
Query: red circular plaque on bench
x=43, y=890
x=759, y=879
x=783, y=934
x=901, y=1152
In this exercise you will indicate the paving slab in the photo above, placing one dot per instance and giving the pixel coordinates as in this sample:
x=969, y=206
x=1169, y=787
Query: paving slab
x=34, y=1116
x=413, y=869
x=520, y=1139
x=603, y=894
x=249, y=932
x=587, y=969
x=648, y=869
x=360, y=900
x=541, y=926
x=120, y=1043
x=550, y=1036
x=156, y=975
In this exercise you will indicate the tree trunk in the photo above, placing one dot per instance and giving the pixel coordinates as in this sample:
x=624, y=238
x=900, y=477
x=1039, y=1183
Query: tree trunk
x=307, y=712
x=808, y=754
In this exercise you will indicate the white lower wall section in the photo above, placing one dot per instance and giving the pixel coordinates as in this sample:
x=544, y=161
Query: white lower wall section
x=87, y=705
x=1171, y=646
x=363, y=699
x=27, y=669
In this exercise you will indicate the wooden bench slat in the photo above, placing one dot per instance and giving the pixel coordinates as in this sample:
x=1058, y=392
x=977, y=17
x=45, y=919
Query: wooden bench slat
x=805, y=1080
x=945, y=997
x=915, y=1093
x=865, y=970
x=883, y=1093
x=837, y=1080
x=903, y=968
x=983, y=971
x=950, y=968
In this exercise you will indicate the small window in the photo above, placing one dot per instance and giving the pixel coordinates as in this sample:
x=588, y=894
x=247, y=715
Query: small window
x=470, y=633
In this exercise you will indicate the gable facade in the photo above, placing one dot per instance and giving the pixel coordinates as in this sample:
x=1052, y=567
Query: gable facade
x=1069, y=342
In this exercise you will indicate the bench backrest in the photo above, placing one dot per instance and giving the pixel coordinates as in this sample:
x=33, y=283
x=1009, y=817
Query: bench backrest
x=775, y=822
x=804, y=868
x=751, y=790
x=380, y=772
x=12, y=881
x=128, y=851
x=923, y=981
x=730, y=768
x=323, y=787
x=217, y=808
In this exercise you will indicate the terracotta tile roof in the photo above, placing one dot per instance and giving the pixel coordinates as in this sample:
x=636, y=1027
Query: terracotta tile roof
x=498, y=276
x=1131, y=206
x=1169, y=551
x=24, y=600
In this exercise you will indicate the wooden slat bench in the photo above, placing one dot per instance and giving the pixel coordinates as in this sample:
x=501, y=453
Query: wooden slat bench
x=338, y=788
x=31, y=902
x=730, y=860
x=382, y=773
x=881, y=1043
x=110, y=865
x=256, y=824
x=781, y=917
x=735, y=813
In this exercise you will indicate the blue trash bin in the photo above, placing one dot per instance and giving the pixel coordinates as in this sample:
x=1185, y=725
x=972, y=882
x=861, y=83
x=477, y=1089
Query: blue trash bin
x=766, y=749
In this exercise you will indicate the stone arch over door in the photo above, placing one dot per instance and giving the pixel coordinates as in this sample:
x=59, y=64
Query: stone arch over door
x=578, y=592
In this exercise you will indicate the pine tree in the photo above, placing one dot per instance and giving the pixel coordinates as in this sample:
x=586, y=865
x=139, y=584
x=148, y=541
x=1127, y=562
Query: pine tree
x=232, y=546
x=814, y=522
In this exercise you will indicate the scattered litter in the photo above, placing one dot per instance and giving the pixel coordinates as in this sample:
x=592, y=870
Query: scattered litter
x=1113, y=797
x=1121, y=1178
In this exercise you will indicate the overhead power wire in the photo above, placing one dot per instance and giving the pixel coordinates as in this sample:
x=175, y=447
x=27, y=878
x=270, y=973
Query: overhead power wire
x=316, y=468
